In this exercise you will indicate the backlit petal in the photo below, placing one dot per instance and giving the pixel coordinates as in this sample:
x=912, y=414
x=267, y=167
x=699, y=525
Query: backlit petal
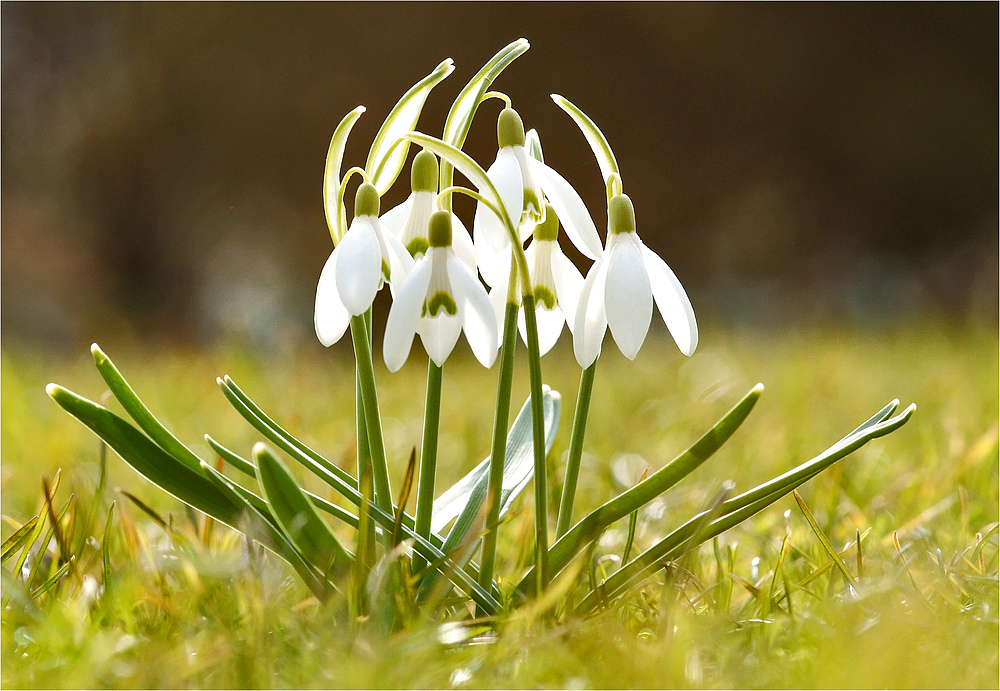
x=570, y=209
x=627, y=297
x=590, y=321
x=439, y=335
x=461, y=242
x=672, y=301
x=331, y=317
x=359, y=266
x=400, y=261
x=494, y=265
x=549, y=323
x=394, y=219
x=505, y=174
x=475, y=310
x=569, y=283
x=404, y=316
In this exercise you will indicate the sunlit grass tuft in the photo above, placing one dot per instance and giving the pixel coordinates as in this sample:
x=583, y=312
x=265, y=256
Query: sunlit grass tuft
x=187, y=602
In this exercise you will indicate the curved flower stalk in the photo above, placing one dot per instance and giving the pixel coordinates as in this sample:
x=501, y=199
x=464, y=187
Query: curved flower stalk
x=524, y=183
x=620, y=289
x=440, y=298
x=409, y=221
x=555, y=282
x=361, y=263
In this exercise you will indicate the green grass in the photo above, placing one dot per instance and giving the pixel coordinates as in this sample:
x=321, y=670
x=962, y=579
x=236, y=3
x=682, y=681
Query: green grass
x=192, y=609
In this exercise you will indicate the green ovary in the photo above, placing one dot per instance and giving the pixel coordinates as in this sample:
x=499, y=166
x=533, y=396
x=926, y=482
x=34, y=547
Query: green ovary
x=439, y=301
x=545, y=297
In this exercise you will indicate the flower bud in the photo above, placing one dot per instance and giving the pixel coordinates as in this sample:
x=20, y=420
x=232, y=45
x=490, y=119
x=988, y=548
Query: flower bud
x=510, y=129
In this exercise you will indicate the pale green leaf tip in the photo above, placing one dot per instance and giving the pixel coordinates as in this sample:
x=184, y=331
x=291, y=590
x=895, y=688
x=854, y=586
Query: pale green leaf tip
x=98, y=354
x=53, y=390
x=260, y=451
x=759, y=389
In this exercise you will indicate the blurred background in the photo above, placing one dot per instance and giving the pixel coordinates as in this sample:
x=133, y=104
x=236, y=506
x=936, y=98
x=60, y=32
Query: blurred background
x=162, y=163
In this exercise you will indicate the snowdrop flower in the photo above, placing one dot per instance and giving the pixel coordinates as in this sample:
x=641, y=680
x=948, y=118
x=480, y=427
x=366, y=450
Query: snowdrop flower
x=523, y=183
x=619, y=291
x=438, y=299
x=409, y=220
x=360, y=264
x=555, y=282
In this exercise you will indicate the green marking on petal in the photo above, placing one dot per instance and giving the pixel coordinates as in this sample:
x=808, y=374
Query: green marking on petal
x=549, y=228
x=533, y=206
x=417, y=247
x=545, y=297
x=440, y=300
x=385, y=269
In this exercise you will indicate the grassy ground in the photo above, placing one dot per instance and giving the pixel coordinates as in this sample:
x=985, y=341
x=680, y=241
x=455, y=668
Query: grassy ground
x=195, y=609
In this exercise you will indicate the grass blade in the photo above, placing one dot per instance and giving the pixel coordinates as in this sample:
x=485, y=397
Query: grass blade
x=824, y=540
x=106, y=545
x=404, y=496
x=37, y=592
x=18, y=539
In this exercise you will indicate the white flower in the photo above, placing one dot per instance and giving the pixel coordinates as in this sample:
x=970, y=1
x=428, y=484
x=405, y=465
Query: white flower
x=357, y=268
x=439, y=298
x=619, y=291
x=408, y=221
x=523, y=183
x=555, y=283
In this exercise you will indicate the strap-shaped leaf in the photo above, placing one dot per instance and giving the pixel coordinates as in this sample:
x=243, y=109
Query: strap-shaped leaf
x=456, y=126
x=159, y=467
x=230, y=387
x=336, y=216
x=598, y=142
x=298, y=519
x=140, y=413
x=386, y=158
x=738, y=509
x=248, y=468
x=596, y=522
x=464, y=579
x=464, y=498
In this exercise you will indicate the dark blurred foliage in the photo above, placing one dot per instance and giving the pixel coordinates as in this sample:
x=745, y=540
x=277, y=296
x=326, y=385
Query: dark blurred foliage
x=162, y=163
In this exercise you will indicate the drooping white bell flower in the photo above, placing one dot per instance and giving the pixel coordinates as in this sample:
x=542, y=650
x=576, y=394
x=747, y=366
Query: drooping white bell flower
x=409, y=221
x=440, y=298
x=555, y=283
x=620, y=289
x=524, y=183
x=360, y=264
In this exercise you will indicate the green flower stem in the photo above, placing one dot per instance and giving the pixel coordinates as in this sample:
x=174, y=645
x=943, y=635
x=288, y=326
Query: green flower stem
x=428, y=458
x=373, y=423
x=575, y=450
x=364, y=450
x=499, y=449
x=538, y=430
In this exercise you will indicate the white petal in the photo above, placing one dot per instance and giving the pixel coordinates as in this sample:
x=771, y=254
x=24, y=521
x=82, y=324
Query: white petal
x=359, y=266
x=627, y=297
x=478, y=316
x=549, y=323
x=590, y=322
x=569, y=282
x=400, y=261
x=572, y=212
x=672, y=301
x=498, y=299
x=505, y=174
x=461, y=242
x=494, y=265
x=404, y=316
x=331, y=317
x=394, y=219
x=439, y=335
